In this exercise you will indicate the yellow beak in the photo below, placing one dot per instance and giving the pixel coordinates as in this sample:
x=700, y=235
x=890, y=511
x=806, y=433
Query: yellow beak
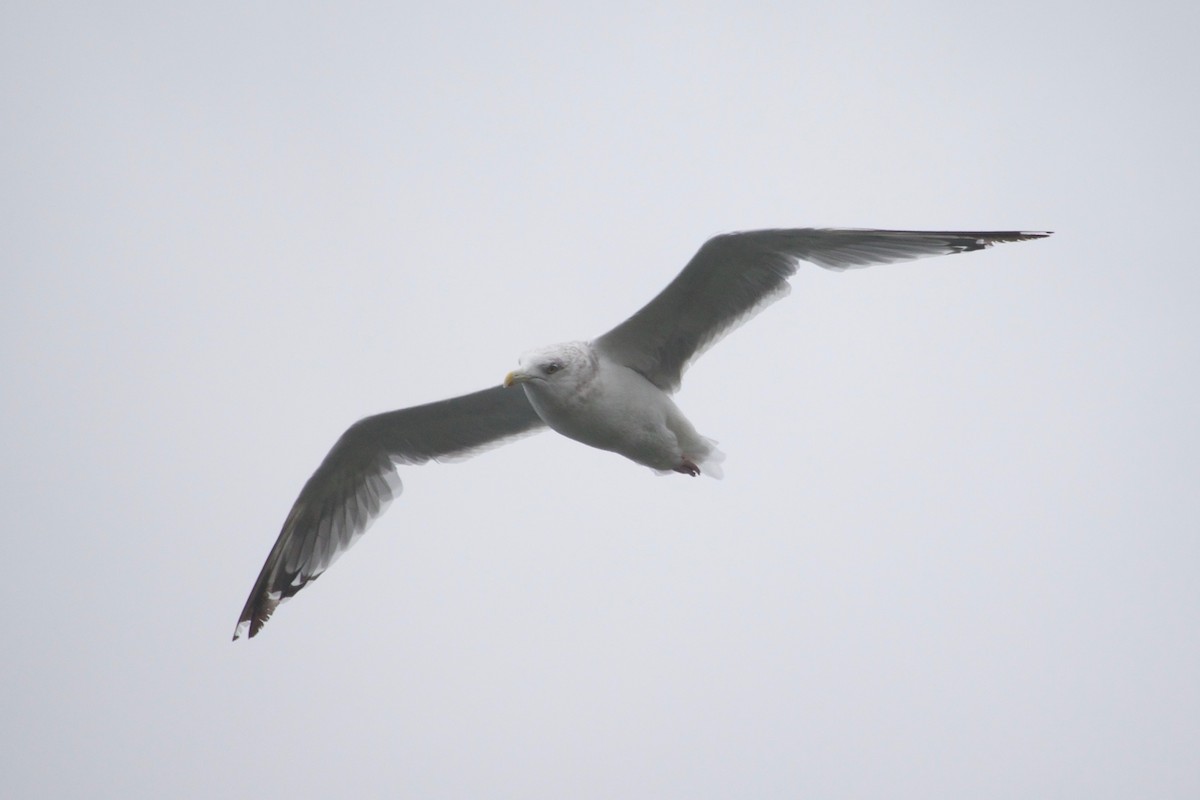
x=514, y=377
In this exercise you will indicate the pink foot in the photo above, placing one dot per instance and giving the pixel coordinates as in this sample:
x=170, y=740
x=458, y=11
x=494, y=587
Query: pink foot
x=688, y=467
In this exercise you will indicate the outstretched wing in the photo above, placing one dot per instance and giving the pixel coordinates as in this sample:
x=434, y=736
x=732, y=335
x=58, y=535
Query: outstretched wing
x=358, y=478
x=735, y=275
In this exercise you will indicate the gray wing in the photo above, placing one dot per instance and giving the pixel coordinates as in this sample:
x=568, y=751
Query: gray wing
x=735, y=275
x=358, y=479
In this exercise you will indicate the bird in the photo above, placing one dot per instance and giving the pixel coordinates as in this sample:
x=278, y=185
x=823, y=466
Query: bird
x=612, y=392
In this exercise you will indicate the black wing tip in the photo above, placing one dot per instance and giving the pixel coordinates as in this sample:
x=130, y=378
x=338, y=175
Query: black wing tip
x=982, y=240
x=258, y=610
x=252, y=623
x=263, y=602
x=1020, y=236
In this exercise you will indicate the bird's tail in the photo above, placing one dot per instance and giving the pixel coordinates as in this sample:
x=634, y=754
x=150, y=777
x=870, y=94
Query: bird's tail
x=710, y=462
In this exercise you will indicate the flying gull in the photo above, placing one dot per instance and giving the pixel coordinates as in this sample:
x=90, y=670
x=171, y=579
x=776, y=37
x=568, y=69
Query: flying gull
x=613, y=393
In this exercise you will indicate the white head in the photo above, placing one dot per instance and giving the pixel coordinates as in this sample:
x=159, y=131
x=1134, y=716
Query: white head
x=558, y=370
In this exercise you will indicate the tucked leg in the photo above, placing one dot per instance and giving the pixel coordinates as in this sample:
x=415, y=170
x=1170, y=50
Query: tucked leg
x=688, y=467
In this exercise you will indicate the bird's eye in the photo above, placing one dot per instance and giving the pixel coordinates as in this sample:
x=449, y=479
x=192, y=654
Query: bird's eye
x=553, y=367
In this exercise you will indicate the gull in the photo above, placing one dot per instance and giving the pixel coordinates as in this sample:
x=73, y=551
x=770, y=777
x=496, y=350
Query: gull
x=612, y=393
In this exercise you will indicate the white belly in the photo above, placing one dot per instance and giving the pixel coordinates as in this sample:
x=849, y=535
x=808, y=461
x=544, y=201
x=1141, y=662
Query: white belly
x=623, y=412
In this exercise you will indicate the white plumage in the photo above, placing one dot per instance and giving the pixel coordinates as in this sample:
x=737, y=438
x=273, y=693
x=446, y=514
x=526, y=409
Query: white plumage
x=588, y=397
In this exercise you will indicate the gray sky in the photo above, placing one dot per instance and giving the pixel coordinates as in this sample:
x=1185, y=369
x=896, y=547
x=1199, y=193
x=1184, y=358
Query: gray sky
x=955, y=551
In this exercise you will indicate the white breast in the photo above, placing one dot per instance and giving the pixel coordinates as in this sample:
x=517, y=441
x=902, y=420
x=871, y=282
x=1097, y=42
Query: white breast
x=619, y=410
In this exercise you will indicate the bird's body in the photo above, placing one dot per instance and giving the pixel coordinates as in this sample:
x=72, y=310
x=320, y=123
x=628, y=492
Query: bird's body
x=612, y=393
x=592, y=399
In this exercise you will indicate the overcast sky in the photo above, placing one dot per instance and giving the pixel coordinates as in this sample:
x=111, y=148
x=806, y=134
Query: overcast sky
x=955, y=552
